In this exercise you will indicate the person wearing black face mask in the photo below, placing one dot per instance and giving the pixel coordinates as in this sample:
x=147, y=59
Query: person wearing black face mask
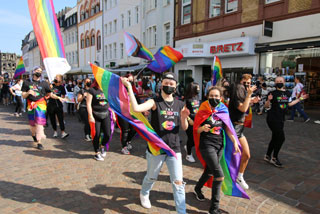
x=277, y=104
x=192, y=103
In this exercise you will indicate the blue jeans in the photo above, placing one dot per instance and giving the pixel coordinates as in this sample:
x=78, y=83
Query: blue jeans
x=299, y=109
x=175, y=170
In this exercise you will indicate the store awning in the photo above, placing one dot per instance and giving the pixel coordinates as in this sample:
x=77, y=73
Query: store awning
x=128, y=69
x=82, y=70
x=268, y=47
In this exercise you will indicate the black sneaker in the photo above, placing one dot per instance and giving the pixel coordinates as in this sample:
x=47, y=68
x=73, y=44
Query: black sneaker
x=199, y=195
x=267, y=158
x=40, y=147
x=215, y=211
x=276, y=162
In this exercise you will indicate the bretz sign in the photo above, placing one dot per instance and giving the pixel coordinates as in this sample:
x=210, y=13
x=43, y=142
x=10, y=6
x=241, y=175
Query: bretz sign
x=227, y=48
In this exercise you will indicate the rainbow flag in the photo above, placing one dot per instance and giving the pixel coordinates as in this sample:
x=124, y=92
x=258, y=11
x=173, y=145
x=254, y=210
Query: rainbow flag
x=117, y=96
x=37, y=112
x=47, y=31
x=20, y=69
x=165, y=58
x=229, y=161
x=216, y=70
x=135, y=48
x=248, y=118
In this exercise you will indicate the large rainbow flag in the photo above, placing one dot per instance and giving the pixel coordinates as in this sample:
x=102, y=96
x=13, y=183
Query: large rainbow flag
x=135, y=48
x=165, y=58
x=229, y=161
x=47, y=31
x=216, y=70
x=20, y=69
x=117, y=96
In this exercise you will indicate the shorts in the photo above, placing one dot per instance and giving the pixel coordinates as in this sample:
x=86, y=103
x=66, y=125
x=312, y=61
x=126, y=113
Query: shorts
x=239, y=130
x=5, y=94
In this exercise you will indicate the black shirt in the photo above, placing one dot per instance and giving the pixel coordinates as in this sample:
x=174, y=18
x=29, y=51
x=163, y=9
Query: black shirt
x=193, y=105
x=166, y=121
x=83, y=103
x=279, y=105
x=215, y=136
x=59, y=91
x=70, y=87
x=99, y=102
x=238, y=95
x=41, y=88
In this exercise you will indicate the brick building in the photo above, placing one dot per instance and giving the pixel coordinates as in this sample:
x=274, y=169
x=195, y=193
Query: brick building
x=8, y=62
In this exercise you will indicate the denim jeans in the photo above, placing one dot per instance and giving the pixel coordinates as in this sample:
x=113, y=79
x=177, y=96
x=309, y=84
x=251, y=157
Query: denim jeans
x=299, y=109
x=175, y=170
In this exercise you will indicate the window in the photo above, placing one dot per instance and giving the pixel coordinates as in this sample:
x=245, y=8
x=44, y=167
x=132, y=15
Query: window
x=167, y=33
x=72, y=38
x=106, y=29
x=110, y=27
x=137, y=14
x=122, y=21
x=73, y=58
x=110, y=4
x=87, y=41
x=271, y=1
x=144, y=37
x=166, y=2
x=154, y=36
x=110, y=51
x=98, y=41
x=82, y=42
x=231, y=6
x=106, y=52
x=155, y=3
x=114, y=50
x=186, y=11
x=76, y=57
x=115, y=26
x=93, y=39
x=214, y=9
x=115, y=3
x=121, y=50
x=129, y=18
x=106, y=4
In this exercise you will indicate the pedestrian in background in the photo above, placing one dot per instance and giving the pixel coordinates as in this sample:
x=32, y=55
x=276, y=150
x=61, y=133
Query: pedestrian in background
x=70, y=88
x=15, y=90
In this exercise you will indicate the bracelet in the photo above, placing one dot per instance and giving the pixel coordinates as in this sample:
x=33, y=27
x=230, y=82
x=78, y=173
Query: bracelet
x=188, y=118
x=301, y=98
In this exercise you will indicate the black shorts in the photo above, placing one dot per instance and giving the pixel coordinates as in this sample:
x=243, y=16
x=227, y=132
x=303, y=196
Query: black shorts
x=239, y=130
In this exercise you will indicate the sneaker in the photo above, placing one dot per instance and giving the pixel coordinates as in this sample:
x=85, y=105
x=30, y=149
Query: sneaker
x=190, y=158
x=267, y=158
x=55, y=134
x=145, y=202
x=88, y=138
x=125, y=151
x=98, y=157
x=276, y=162
x=242, y=183
x=40, y=147
x=64, y=135
x=20, y=114
x=199, y=195
x=317, y=121
x=185, y=148
x=129, y=146
x=290, y=120
x=103, y=152
x=307, y=120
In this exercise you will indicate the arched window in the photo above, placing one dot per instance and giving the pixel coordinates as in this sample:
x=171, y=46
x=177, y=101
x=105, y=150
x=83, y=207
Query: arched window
x=82, y=41
x=87, y=39
x=86, y=8
x=81, y=13
x=93, y=38
x=98, y=40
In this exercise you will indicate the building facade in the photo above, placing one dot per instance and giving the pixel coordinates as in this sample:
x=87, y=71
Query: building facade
x=8, y=63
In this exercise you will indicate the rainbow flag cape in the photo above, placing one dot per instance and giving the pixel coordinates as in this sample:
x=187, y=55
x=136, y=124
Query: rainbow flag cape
x=165, y=58
x=135, y=48
x=216, y=70
x=20, y=69
x=47, y=31
x=117, y=96
x=229, y=162
x=248, y=118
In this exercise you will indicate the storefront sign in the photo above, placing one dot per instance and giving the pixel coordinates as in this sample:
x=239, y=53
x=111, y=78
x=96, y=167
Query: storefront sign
x=226, y=48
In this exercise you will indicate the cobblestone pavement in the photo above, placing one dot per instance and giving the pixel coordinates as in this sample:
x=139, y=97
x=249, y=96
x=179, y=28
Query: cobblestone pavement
x=64, y=178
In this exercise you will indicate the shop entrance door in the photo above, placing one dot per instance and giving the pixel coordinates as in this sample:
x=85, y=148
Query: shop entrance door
x=233, y=75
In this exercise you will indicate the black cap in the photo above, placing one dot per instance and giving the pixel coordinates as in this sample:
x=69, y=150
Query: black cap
x=170, y=76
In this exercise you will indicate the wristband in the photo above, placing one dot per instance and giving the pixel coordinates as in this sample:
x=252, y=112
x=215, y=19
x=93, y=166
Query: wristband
x=301, y=98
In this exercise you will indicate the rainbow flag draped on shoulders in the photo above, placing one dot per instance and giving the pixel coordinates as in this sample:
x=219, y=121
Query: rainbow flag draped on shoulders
x=229, y=162
x=20, y=69
x=117, y=96
x=216, y=70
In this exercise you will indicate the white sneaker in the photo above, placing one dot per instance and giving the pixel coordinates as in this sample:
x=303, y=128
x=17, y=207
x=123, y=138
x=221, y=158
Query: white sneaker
x=98, y=157
x=145, y=202
x=64, y=135
x=129, y=146
x=55, y=134
x=242, y=183
x=87, y=138
x=103, y=152
x=190, y=158
x=125, y=151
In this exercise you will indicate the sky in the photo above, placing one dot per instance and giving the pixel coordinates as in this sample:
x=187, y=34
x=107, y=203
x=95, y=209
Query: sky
x=15, y=22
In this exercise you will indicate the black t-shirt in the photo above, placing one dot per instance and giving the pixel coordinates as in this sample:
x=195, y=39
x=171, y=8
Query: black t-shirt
x=166, y=121
x=84, y=100
x=5, y=86
x=193, y=105
x=215, y=136
x=279, y=105
x=70, y=88
x=41, y=88
x=99, y=101
x=238, y=95
x=59, y=91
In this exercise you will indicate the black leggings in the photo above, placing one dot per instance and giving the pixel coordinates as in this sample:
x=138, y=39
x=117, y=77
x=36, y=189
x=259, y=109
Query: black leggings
x=103, y=126
x=212, y=158
x=84, y=118
x=190, y=142
x=70, y=108
x=127, y=131
x=19, y=106
x=54, y=110
x=277, y=138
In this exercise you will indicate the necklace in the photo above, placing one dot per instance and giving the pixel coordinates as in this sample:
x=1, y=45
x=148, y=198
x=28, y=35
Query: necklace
x=167, y=104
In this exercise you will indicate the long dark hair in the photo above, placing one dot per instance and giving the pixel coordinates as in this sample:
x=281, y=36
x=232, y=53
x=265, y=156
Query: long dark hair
x=191, y=90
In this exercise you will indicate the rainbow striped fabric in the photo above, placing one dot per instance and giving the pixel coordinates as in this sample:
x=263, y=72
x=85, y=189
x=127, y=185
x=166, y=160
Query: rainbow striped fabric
x=118, y=99
x=216, y=70
x=229, y=162
x=37, y=112
x=20, y=69
x=165, y=58
x=248, y=118
x=47, y=31
x=135, y=48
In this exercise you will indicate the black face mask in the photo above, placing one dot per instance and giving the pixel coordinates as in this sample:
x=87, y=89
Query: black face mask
x=214, y=102
x=279, y=85
x=168, y=89
x=88, y=84
x=37, y=74
x=245, y=86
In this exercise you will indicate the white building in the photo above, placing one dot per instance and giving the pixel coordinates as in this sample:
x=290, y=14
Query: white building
x=30, y=52
x=120, y=16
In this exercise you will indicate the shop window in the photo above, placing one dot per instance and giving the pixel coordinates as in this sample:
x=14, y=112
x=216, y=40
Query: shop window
x=186, y=12
x=214, y=9
x=231, y=6
x=271, y=1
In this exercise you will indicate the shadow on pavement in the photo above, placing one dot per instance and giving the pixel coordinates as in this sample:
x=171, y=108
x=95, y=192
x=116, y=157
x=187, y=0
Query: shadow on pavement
x=57, y=154
x=15, y=132
x=27, y=144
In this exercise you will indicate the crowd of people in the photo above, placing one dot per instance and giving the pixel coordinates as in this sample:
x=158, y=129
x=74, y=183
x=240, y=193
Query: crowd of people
x=169, y=108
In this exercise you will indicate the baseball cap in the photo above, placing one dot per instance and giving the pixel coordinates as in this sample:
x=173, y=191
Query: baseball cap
x=170, y=76
x=36, y=68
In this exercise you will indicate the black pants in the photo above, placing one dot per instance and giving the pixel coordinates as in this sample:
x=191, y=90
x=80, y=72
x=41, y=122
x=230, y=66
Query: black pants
x=127, y=131
x=102, y=126
x=212, y=158
x=54, y=110
x=277, y=138
x=84, y=118
x=19, y=104
x=70, y=108
x=190, y=141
